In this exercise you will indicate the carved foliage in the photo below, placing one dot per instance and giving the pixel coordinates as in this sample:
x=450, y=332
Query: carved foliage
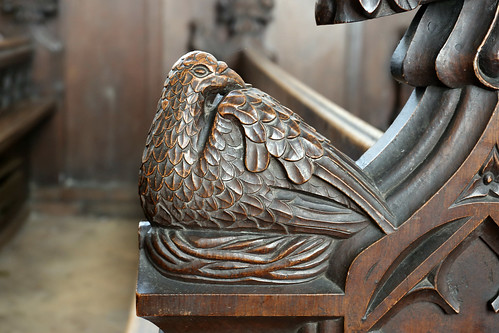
x=439, y=47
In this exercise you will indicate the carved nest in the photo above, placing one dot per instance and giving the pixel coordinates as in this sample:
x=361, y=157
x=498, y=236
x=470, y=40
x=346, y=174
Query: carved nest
x=238, y=257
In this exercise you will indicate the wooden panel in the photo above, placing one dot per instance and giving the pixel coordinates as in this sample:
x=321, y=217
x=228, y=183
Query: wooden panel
x=20, y=114
x=106, y=63
x=47, y=70
x=155, y=75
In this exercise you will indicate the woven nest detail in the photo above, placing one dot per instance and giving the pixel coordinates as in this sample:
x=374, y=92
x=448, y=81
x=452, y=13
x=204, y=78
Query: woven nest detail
x=235, y=258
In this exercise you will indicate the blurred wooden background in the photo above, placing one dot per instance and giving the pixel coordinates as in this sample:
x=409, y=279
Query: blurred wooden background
x=106, y=61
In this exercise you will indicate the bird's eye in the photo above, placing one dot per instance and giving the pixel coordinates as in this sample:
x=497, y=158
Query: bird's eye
x=200, y=71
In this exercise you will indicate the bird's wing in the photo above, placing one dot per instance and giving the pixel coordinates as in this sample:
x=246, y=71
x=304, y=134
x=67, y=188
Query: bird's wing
x=273, y=132
x=271, y=129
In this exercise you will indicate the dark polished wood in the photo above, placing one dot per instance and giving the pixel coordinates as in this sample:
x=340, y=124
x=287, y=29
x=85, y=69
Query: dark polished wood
x=421, y=254
x=109, y=94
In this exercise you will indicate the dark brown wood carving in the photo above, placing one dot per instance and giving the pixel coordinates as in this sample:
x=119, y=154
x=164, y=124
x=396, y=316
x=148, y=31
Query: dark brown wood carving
x=257, y=223
x=222, y=157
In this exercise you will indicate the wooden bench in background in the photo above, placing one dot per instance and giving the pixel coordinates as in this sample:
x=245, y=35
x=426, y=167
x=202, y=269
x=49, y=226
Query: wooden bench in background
x=20, y=116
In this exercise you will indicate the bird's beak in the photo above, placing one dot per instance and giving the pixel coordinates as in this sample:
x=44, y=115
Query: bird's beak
x=227, y=79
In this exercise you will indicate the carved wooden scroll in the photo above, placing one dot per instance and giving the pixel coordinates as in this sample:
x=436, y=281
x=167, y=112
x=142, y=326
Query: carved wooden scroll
x=257, y=223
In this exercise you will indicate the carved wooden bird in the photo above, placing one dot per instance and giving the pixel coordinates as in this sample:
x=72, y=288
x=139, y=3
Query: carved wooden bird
x=222, y=155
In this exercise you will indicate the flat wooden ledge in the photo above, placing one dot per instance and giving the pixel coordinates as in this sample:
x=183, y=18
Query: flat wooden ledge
x=18, y=120
x=15, y=50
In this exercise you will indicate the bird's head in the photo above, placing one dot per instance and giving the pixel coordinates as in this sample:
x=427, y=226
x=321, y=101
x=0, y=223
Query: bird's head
x=200, y=72
x=193, y=89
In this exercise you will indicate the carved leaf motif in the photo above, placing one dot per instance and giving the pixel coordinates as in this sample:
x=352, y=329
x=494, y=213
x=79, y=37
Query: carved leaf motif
x=455, y=62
